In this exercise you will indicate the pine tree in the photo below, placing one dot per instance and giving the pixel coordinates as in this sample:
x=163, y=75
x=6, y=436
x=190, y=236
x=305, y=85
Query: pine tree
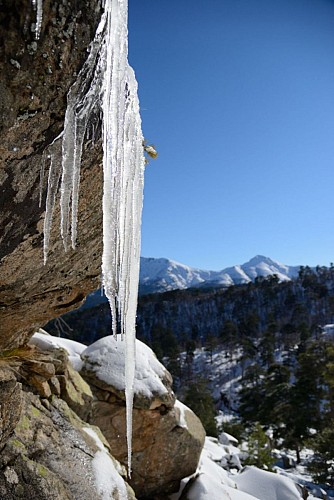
x=252, y=393
x=259, y=449
x=322, y=464
x=329, y=380
x=199, y=399
x=277, y=387
x=303, y=409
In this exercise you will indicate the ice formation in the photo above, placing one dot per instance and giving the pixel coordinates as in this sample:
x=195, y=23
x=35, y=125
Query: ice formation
x=106, y=85
x=38, y=6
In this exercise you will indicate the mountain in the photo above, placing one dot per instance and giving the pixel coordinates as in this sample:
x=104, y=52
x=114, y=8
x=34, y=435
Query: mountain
x=160, y=275
x=163, y=275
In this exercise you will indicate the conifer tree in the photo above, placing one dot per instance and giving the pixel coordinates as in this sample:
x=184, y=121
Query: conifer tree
x=199, y=399
x=259, y=449
x=322, y=464
x=303, y=409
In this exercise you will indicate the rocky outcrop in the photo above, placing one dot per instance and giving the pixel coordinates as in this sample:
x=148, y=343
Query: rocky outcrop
x=45, y=446
x=167, y=436
x=52, y=454
x=10, y=404
x=35, y=77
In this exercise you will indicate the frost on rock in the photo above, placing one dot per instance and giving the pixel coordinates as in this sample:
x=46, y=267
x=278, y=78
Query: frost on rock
x=106, y=86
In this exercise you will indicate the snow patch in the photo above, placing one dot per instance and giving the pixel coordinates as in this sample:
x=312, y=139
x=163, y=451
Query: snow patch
x=211, y=481
x=47, y=342
x=107, y=478
x=264, y=485
x=182, y=415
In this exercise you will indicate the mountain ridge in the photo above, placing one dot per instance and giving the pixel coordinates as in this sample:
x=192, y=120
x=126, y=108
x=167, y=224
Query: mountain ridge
x=158, y=275
x=161, y=274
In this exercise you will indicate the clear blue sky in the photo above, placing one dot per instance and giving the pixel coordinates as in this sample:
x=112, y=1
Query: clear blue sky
x=238, y=98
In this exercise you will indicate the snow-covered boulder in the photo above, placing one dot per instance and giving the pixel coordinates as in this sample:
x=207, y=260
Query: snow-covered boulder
x=103, y=367
x=46, y=342
x=267, y=485
x=211, y=481
x=167, y=436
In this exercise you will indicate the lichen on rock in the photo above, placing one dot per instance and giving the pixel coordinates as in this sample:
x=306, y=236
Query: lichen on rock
x=50, y=455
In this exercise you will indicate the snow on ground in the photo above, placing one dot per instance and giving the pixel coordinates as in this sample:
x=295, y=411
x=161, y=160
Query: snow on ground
x=211, y=481
x=217, y=478
x=47, y=342
x=267, y=485
x=315, y=489
x=108, y=480
x=223, y=370
x=106, y=358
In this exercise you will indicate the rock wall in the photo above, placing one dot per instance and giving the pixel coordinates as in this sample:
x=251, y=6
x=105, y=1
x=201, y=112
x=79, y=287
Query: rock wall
x=35, y=77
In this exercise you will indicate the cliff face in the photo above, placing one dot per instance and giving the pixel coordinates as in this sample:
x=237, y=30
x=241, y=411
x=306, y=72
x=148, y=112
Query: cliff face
x=35, y=77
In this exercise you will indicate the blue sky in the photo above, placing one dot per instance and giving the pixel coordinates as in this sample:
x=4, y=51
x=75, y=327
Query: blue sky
x=238, y=98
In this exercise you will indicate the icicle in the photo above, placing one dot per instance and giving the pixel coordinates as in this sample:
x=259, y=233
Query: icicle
x=41, y=178
x=83, y=98
x=123, y=165
x=39, y=18
x=38, y=6
x=107, y=83
x=53, y=184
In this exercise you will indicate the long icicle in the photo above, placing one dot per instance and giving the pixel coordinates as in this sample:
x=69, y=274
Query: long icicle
x=123, y=165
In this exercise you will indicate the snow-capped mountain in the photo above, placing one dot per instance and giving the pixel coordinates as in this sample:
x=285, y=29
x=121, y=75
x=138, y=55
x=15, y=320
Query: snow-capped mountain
x=158, y=275
x=162, y=275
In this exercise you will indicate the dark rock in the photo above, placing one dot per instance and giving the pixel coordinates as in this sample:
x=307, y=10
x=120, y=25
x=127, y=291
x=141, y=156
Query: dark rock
x=34, y=80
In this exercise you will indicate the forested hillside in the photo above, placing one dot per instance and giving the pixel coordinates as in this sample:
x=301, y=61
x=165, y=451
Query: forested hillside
x=257, y=352
x=235, y=314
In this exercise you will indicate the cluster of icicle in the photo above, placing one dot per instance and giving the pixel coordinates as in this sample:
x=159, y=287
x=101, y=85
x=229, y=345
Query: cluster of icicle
x=106, y=85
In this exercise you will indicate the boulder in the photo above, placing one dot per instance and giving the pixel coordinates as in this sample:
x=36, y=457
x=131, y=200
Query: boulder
x=52, y=454
x=263, y=484
x=104, y=368
x=10, y=404
x=167, y=436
